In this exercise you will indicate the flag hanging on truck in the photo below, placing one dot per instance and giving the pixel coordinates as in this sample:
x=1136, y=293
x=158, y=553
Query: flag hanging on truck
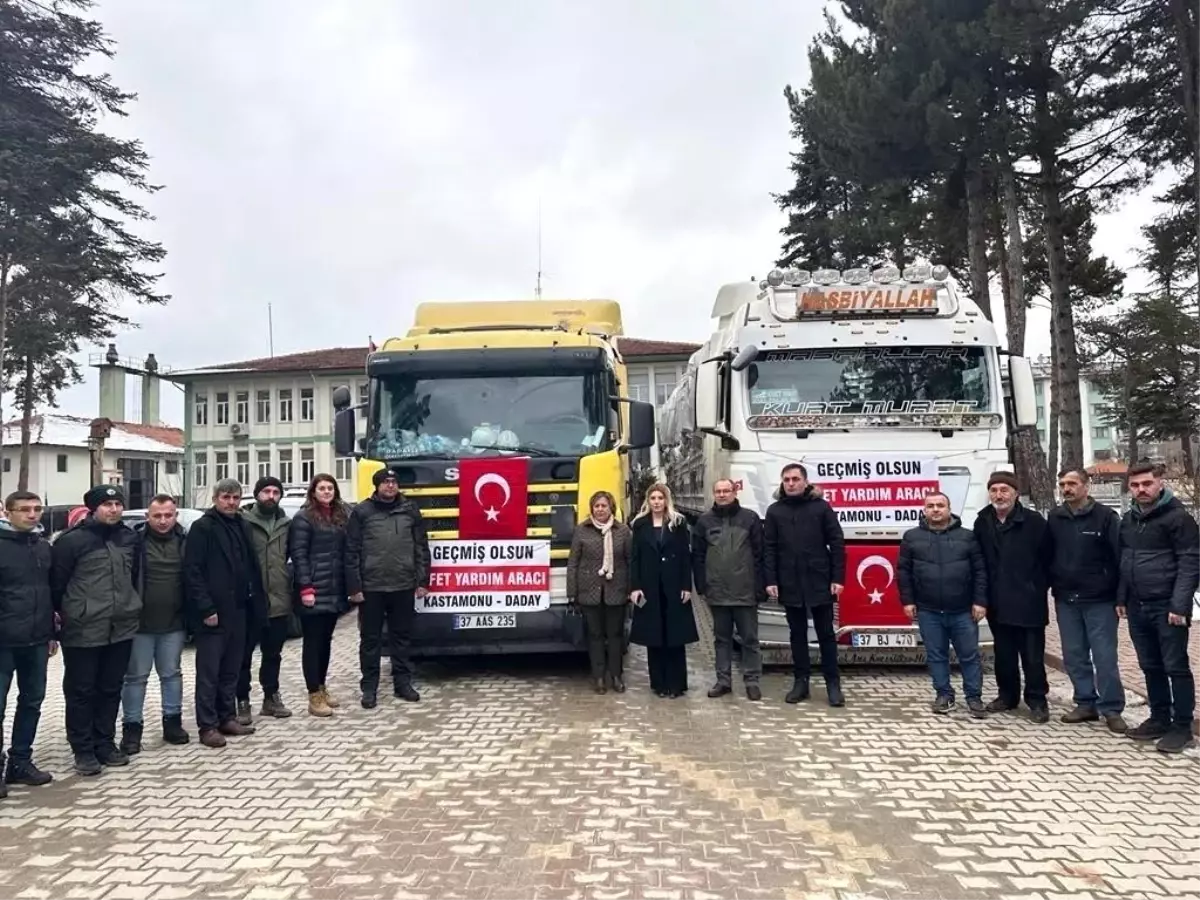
x=493, y=498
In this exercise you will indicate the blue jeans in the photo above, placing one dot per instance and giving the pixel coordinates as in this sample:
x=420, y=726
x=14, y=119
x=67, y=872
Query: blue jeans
x=1089, y=645
x=163, y=652
x=1162, y=651
x=28, y=664
x=938, y=631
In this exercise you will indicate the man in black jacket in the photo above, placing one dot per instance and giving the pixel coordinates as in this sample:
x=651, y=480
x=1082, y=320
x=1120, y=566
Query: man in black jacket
x=727, y=566
x=26, y=632
x=223, y=592
x=1083, y=576
x=387, y=568
x=1160, y=571
x=91, y=582
x=805, y=562
x=943, y=586
x=1017, y=550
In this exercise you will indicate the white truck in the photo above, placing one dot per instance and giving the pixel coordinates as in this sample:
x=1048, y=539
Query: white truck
x=885, y=385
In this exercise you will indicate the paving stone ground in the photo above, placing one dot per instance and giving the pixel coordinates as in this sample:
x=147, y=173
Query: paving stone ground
x=512, y=780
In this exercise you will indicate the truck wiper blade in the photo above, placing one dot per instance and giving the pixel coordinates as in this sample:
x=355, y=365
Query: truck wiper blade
x=520, y=448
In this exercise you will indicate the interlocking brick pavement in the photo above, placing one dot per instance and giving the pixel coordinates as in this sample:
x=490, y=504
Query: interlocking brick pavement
x=511, y=779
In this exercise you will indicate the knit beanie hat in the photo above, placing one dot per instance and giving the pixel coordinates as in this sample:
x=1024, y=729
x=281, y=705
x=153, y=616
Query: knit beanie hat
x=102, y=493
x=265, y=482
x=383, y=475
x=1004, y=478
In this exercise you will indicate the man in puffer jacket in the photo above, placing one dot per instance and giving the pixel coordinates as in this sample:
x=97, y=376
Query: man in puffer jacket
x=91, y=582
x=727, y=566
x=943, y=586
x=1160, y=570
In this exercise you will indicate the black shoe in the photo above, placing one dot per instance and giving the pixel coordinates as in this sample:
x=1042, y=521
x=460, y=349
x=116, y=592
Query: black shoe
x=798, y=692
x=244, y=714
x=1150, y=730
x=173, y=731
x=3, y=789
x=719, y=690
x=1000, y=705
x=834, y=691
x=977, y=709
x=753, y=692
x=942, y=704
x=600, y=686
x=1039, y=715
x=660, y=693
x=26, y=773
x=1080, y=714
x=87, y=764
x=1178, y=739
x=111, y=756
x=131, y=738
x=618, y=684
x=369, y=700
x=406, y=691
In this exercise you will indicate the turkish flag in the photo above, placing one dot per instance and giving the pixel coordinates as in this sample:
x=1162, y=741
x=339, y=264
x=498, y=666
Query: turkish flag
x=493, y=497
x=871, y=595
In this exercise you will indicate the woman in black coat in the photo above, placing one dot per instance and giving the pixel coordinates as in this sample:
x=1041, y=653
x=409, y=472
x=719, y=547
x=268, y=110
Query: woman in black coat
x=660, y=579
x=317, y=549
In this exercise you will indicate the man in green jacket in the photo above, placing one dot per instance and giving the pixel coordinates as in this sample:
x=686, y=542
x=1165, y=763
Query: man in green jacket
x=91, y=586
x=269, y=527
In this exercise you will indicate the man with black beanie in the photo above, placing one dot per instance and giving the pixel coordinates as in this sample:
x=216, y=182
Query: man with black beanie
x=1017, y=551
x=91, y=585
x=224, y=590
x=387, y=567
x=268, y=527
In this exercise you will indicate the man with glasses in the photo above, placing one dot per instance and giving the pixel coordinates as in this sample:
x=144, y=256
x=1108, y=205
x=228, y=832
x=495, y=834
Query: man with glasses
x=26, y=631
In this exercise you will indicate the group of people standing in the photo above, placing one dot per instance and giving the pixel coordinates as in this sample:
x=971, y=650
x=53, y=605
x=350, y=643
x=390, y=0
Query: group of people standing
x=121, y=601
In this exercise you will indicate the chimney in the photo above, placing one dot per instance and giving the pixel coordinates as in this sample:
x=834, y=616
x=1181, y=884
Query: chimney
x=150, y=392
x=112, y=386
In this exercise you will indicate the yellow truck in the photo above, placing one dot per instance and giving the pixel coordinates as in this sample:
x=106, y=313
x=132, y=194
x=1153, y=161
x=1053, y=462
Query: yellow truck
x=487, y=410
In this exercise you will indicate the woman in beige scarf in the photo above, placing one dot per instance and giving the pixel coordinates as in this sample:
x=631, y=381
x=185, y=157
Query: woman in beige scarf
x=598, y=582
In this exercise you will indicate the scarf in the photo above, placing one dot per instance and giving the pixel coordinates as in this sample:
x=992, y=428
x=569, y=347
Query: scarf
x=606, y=568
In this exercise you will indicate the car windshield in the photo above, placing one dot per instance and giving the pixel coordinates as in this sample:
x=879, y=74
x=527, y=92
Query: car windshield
x=456, y=416
x=870, y=381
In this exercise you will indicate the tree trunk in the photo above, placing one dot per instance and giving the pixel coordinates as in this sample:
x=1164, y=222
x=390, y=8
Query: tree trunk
x=1183, y=15
x=977, y=203
x=1015, y=309
x=5, y=269
x=1054, y=413
x=26, y=423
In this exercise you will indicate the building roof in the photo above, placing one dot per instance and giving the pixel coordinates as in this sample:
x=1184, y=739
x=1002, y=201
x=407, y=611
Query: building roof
x=351, y=359
x=1108, y=467
x=58, y=430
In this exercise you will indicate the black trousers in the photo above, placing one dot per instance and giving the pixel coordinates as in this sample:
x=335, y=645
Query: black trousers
x=318, y=642
x=1162, y=652
x=1020, y=649
x=822, y=618
x=92, y=682
x=270, y=638
x=220, y=652
x=606, y=639
x=398, y=609
x=668, y=669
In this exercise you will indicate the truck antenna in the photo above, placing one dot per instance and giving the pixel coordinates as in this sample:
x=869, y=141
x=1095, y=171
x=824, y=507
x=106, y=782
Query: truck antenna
x=537, y=291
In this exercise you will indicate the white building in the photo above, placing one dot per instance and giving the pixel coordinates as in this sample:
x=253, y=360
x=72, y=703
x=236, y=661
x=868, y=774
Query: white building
x=275, y=415
x=144, y=459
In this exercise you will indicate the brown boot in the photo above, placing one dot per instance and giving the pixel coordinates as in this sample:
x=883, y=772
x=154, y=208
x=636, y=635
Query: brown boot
x=211, y=737
x=329, y=700
x=234, y=728
x=317, y=705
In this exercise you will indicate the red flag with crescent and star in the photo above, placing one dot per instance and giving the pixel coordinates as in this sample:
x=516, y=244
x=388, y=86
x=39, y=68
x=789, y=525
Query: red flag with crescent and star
x=493, y=498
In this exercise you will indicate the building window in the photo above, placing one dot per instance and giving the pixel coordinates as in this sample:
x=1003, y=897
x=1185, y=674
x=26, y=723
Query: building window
x=62, y=462
x=262, y=407
x=264, y=463
x=171, y=467
x=308, y=464
x=639, y=386
x=285, y=466
x=221, y=466
x=243, y=467
x=200, y=467
x=222, y=407
x=285, y=404
x=662, y=390
x=343, y=468
x=241, y=408
x=1100, y=431
x=7, y=464
x=364, y=393
x=307, y=406
x=201, y=407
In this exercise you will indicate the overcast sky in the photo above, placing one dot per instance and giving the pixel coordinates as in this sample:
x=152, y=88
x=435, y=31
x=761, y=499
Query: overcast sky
x=345, y=160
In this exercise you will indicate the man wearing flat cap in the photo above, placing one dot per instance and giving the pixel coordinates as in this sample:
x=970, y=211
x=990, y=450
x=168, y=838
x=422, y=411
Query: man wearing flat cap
x=91, y=586
x=387, y=567
x=1017, y=552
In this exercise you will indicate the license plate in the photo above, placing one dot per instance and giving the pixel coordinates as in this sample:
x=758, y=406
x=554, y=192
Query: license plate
x=883, y=639
x=485, y=620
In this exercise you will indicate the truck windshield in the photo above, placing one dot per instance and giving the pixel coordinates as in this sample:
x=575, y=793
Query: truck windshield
x=464, y=415
x=870, y=381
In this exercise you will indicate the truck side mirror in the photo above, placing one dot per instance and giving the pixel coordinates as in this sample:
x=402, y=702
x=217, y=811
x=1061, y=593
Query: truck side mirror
x=341, y=398
x=345, y=432
x=641, y=425
x=1024, y=400
x=708, y=393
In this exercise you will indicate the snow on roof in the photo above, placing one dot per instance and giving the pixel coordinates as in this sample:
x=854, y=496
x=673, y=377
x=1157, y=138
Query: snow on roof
x=58, y=430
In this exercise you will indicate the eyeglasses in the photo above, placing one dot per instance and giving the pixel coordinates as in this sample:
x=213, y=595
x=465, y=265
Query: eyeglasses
x=36, y=510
